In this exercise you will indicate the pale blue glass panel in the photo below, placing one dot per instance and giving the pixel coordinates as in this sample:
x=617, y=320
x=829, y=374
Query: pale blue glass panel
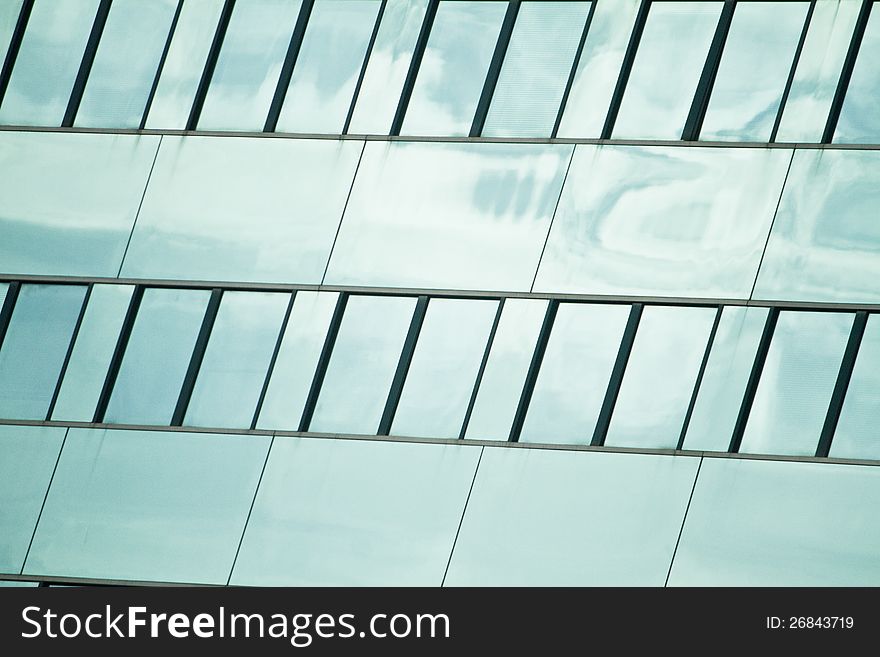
x=297, y=360
x=29, y=456
x=657, y=221
x=660, y=376
x=92, y=352
x=18, y=583
x=666, y=70
x=459, y=216
x=48, y=61
x=857, y=436
x=454, y=68
x=355, y=513
x=536, y=69
x=4, y=288
x=328, y=65
x=506, y=369
x=772, y=523
x=796, y=383
x=363, y=364
x=559, y=518
x=859, y=121
x=125, y=64
x=35, y=346
x=249, y=65
x=9, y=12
x=157, y=356
x=388, y=66
x=147, y=505
x=444, y=368
x=723, y=385
x=238, y=209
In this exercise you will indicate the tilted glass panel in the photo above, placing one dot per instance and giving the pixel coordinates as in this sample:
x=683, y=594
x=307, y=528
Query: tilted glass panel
x=574, y=373
x=363, y=363
x=666, y=70
x=660, y=376
x=796, y=383
x=35, y=347
x=723, y=385
x=147, y=505
x=48, y=61
x=157, y=356
x=355, y=513
x=249, y=65
x=9, y=12
x=388, y=66
x=94, y=347
x=328, y=65
x=536, y=69
x=454, y=67
x=444, y=368
x=856, y=436
x=236, y=360
x=4, y=288
x=125, y=64
x=859, y=121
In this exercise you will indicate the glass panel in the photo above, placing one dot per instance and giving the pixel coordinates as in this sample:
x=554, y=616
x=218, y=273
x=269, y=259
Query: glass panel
x=297, y=360
x=856, y=435
x=90, y=359
x=559, y=518
x=505, y=374
x=249, y=65
x=291, y=192
x=328, y=66
x=157, y=356
x=574, y=374
x=48, y=61
x=818, y=70
x=237, y=358
x=363, y=364
x=771, y=523
x=724, y=382
x=796, y=383
x=444, y=368
x=29, y=456
x=147, y=505
x=454, y=67
x=4, y=288
x=9, y=12
x=660, y=376
x=457, y=216
x=860, y=115
x=126, y=63
x=35, y=346
x=658, y=221
x=536, y=68
x=666, y=70
x=388, y=66
x=335, y=512
x=757, y=60
x=18, y=583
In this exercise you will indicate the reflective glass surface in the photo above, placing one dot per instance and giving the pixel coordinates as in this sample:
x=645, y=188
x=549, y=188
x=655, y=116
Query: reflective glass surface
x=9, y=12
x=4, y=288
x=856, y=435
x=860, y=115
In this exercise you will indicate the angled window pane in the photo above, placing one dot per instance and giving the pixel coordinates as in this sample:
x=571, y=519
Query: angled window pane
x=796, y=383
x=536, y=68
x=236, y=360
x=444, y=368
x=666, y=70
x=856, y=435
x=4, y=288
x=9, y=12
x=35, y=346
x=660, y=375
x=454, y=67
x=328, y=66
x=157, y=356
x=249, y=65
x=859, y=121
x=363, y=364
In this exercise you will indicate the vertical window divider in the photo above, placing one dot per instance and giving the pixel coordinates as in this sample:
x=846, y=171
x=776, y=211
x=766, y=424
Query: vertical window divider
x=198, y=355
x=323, y=362
x=210, y=64
x=363, y=72
x=14, y=46
x=161, y=66
x=791, y=73
x=574, y=67
x=85, y=66
x=69, y=353
x=699, y=381
x=483, y=362
x=296, y=40
x=118, y=352
x=494, y=68
x=7, y=308
x=272, y=360
x=626, y=68
x=414, y=64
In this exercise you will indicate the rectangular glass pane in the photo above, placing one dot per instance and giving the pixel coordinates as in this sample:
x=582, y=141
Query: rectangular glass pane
x=796, y=383
x=859, y=121
x=666, y=70
x=856, y=436
x=444, y=368
x=157, y=356
x=660, y=376
x=249, y=65
x=454, y=67
x=9, y=12
x=574, y=373
x=35, y=346
x=362, y=365
x=536, y=69
x=328, y=65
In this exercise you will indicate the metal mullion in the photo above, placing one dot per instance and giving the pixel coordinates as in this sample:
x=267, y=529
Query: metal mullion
x=14, y=46
x=7, y=308
x=85, y=67
x=483, y=362
x=323, y=362
x=210, y=64
x=272, y=360
x=414, y=64
x=574, y=67
x=699, y=381
x=119, y=351
x=363, y=72
x=494, y=71
x=69, y=353
x=296, y=40
x=162, y=59
x=791, y=73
